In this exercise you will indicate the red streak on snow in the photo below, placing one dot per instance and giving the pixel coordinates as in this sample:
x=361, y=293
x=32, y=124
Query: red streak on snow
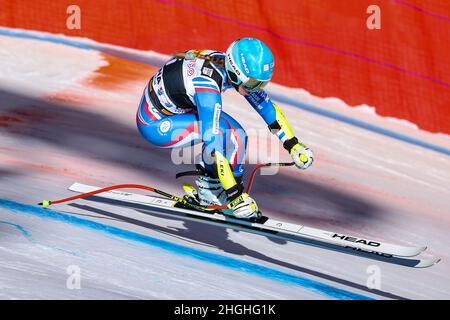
x=7, y=121
x=44, y=168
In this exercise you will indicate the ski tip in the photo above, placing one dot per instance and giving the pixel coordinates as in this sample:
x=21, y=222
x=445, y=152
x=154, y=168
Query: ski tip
x=426, y=263
x=45, y=203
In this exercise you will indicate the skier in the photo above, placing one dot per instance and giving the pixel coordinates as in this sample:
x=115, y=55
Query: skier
x=182, y=106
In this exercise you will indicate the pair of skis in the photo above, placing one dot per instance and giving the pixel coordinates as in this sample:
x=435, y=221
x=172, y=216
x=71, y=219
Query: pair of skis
x=173, y=205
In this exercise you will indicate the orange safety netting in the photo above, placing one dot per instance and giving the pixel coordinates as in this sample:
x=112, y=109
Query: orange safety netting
x=323, y=46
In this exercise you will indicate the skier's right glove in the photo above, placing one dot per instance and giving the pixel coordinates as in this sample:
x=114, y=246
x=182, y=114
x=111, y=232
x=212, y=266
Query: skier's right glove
x=303, y=156
x=244, y=207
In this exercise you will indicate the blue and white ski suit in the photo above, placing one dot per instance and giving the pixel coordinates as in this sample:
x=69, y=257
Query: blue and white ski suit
x=182, y=106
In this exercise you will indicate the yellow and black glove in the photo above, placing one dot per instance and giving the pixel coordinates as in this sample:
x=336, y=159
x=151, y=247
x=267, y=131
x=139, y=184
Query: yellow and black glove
x=300, y=153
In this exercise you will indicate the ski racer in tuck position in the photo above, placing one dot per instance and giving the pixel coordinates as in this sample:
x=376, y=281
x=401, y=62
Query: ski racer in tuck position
x=182, y=106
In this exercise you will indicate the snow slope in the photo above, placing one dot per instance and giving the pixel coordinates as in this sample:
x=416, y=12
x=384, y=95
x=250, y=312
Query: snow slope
x=67, y=113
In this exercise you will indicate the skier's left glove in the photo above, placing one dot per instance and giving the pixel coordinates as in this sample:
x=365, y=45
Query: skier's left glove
x=302, y=155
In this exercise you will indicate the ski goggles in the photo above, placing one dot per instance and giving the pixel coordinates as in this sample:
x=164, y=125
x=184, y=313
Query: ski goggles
x=251, y=85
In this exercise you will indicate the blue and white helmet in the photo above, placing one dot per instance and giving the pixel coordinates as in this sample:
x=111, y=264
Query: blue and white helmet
x=250, y=62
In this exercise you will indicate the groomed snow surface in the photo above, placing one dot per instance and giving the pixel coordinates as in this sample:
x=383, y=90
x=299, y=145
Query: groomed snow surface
x=67, y=113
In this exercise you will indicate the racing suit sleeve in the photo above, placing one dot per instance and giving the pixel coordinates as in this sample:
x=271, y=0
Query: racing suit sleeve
x=274, y=118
